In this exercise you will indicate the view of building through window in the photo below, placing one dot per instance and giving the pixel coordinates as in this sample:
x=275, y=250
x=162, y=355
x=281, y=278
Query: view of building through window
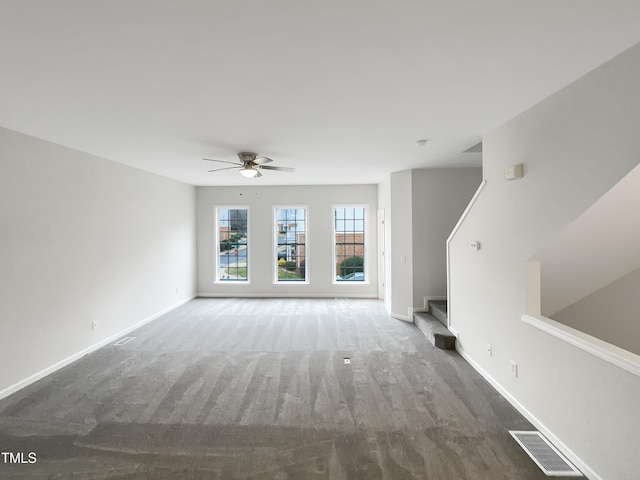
x=349, y=225
x=231, y=259
x=290, y=256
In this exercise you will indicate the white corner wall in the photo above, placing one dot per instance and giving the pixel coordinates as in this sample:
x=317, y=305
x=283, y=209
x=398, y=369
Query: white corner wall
x=575, y=146
x=440, y=195
x=261, y=199
x=83, y=240
x=400, y=245
x=384, y=258
x=421, y=209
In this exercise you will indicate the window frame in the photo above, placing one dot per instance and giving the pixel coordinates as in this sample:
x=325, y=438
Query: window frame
x=274, y=249
x=216, y=249
x=365, y=242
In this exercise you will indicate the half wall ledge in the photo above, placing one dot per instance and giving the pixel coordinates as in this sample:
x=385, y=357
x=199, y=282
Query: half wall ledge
x=606, y=351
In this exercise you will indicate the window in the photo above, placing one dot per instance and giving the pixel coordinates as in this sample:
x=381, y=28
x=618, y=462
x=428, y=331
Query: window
x=349, y=243
x=290, y=227
x=232, y=260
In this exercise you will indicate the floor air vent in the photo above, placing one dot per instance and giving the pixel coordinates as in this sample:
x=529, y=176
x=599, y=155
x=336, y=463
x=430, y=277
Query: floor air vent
x=546, y=456
x=123, y=341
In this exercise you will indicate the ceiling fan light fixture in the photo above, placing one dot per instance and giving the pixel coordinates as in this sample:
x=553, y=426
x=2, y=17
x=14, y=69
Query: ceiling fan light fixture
x=250, y=165
x=248, y=171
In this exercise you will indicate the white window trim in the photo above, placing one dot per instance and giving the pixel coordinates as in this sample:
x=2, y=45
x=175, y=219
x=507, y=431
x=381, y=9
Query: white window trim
x=274, y=245
x=334, y=281
x=216, y=248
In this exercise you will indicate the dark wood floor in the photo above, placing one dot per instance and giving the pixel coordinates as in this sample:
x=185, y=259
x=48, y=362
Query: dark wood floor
x=258, y=389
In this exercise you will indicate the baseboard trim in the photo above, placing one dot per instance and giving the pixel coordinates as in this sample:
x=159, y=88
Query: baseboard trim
x=63, y=363
x=412, y=310
x=566, y=451
x=426, y=299
x=287, y=295
x=404, y=318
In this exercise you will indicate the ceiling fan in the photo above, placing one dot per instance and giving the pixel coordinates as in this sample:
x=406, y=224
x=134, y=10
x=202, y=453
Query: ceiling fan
x=250, y=164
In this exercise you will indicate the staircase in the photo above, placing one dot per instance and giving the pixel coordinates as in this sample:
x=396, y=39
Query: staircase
x=434, y=325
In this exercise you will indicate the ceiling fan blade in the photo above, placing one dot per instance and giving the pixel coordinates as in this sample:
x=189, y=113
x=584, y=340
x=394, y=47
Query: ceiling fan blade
x=261, y=160
x=225, y=168
x=258, y=174
x=281, y=169
x=221, y=161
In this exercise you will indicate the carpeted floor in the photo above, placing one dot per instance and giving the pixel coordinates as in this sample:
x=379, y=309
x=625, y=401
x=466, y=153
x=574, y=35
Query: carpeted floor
x=258, y=389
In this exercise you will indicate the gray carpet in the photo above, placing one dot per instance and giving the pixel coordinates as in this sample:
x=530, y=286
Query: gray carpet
x=258, y=389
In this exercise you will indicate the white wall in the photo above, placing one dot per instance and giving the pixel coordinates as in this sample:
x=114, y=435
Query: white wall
x=610, y=314
x=400, y=248
x=575, y=146
x=83, y=239
x=421, y=208
x=320, y=263
x=384, y=259
x=601, y=245
x=440, y=195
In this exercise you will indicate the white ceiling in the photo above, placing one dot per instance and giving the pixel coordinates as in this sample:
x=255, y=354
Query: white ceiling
x=340, y=90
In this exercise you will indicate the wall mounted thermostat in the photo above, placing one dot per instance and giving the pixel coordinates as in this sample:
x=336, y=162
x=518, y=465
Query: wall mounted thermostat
x=475, y=245
x=513, y=172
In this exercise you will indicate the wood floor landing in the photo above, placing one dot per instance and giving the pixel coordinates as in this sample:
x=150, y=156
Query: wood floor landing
x=258, y=389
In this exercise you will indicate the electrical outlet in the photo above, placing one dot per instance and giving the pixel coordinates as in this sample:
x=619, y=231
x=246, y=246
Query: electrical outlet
x=514, y=368
x=94, y=325
x=489, y=350
x=347, y=361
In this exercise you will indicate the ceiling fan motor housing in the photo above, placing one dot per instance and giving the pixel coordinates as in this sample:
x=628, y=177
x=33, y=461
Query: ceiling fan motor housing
x=247, y=157
x=250, y=164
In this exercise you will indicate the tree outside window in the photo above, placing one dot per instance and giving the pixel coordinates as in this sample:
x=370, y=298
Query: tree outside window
x=349, y=246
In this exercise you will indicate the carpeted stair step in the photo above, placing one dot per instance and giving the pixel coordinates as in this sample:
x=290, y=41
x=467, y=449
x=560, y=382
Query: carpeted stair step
x=438, y=308
x=435, y=332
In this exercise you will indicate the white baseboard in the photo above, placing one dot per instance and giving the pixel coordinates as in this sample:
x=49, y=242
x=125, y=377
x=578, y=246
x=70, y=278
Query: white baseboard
x=288, y=295
x=566, y=451
x=63, y=363
x=401, y=317
x=412, y=310
x=427, y=299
